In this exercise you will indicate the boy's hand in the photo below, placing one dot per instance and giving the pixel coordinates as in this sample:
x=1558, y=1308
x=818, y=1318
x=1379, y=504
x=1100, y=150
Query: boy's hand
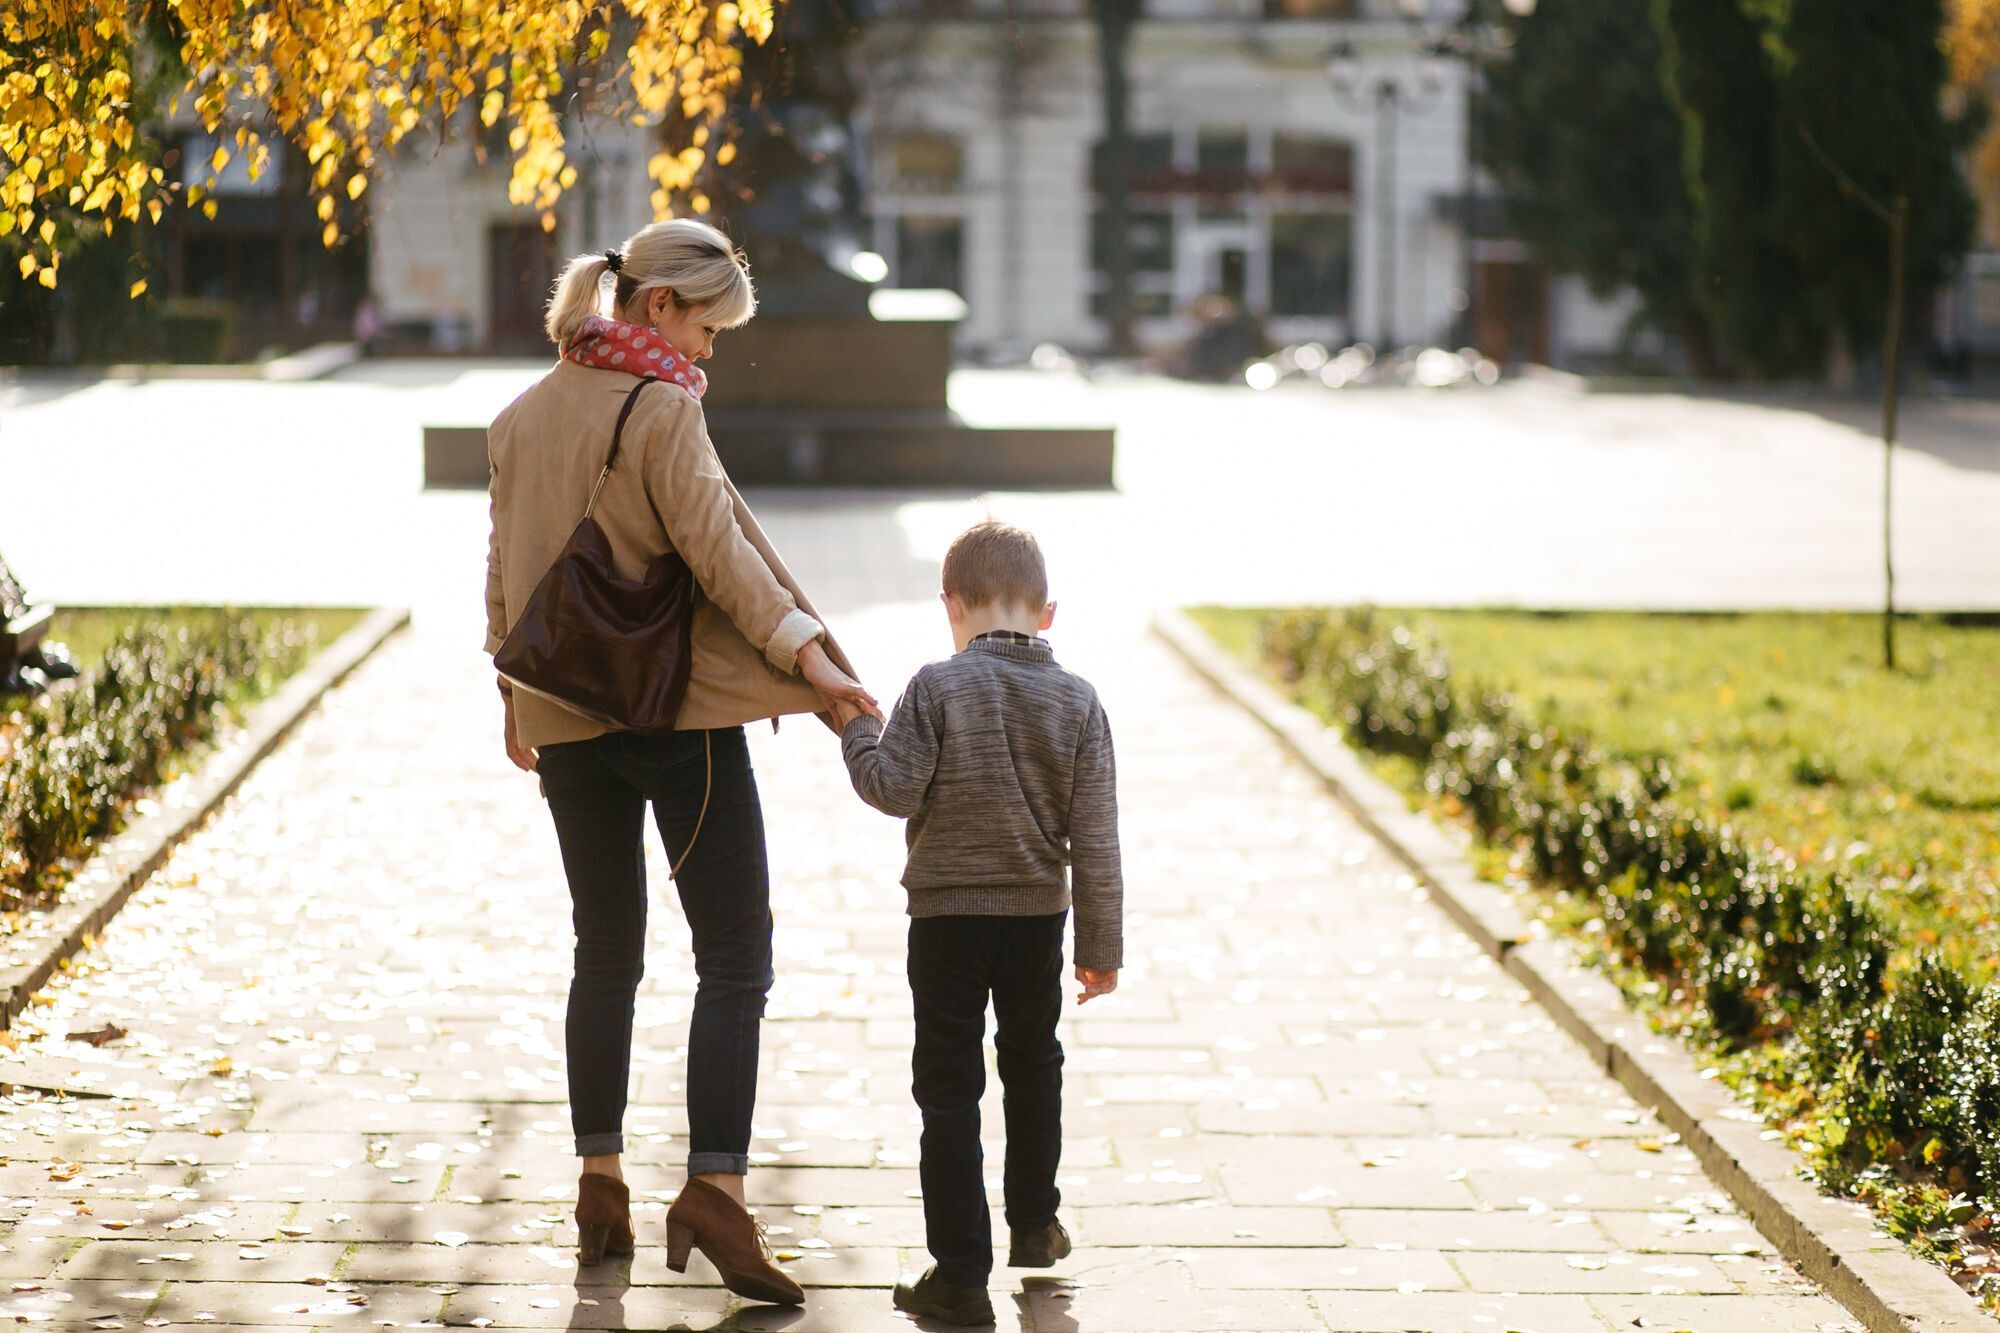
x=1096, y=981
x=845, y=711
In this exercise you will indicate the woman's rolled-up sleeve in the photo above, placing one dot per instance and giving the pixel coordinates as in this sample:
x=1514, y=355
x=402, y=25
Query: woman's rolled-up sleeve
x=690, y=492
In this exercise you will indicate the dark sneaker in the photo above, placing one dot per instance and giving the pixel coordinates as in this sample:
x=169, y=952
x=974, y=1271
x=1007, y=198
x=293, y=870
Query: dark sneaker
x=930, y=1296
x=1038, y=1247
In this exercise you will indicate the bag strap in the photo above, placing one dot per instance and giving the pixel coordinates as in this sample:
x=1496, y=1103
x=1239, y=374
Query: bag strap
x=617, y=437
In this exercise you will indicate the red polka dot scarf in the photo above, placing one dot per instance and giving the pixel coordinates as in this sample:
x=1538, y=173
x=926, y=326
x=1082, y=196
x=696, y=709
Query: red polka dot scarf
x=611, y=344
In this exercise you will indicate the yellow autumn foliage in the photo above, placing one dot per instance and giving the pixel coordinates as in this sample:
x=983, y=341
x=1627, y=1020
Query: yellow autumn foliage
x=1972, y=41
x=346, y=80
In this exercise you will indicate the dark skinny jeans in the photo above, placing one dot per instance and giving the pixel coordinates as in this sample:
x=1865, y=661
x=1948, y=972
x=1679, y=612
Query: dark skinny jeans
x=955, y=963
x=598, y=791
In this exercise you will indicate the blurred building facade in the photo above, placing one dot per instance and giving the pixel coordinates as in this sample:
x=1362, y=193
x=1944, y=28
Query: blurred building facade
x=1269, y=167
x=1314, y=206
x=1305, y=160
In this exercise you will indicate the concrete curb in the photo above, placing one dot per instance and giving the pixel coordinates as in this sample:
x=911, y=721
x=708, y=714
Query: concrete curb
x=1833, y=1242
x=122, y=863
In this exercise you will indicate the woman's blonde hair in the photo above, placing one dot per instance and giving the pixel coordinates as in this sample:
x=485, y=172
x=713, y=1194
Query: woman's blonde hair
x=692, y=258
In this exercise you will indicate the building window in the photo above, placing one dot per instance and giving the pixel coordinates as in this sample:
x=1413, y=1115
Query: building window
x=1221, y=170
x=930, y=252
x=927, y=163
x=1311, y=164
x=1310, y=9
x=1152, y=170
x=1311, y=264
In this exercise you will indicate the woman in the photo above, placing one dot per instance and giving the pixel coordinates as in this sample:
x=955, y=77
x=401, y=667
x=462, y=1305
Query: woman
x=759, y=652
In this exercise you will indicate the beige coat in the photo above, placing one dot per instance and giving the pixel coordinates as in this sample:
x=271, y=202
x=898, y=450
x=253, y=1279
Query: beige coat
x=668, y=491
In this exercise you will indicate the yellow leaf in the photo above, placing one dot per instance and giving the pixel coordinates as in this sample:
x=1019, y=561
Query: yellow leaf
x=219, y=159
x=699, y=203
x=356, y=184
x=28, y=266
x=725, y=155
x=138, y=289
x=326, y=208
x=208, y=208
x=329, y=234
x=47, y=277
x=223, y=1066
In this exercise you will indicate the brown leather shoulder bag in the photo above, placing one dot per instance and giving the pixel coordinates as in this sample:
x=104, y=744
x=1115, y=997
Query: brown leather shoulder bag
x=617, y=651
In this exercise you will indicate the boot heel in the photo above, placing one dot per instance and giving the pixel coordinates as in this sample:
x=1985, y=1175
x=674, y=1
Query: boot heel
x=680, y=1239
x=591, y=1238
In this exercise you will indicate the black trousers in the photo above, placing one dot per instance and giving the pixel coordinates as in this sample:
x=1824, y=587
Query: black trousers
x=598, y=791
x=955, y=963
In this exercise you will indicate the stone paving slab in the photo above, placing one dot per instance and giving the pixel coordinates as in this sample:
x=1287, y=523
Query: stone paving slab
x=352, y=982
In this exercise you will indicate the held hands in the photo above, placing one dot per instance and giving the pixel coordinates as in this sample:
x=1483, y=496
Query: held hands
x=844, y=696
x=1096, y=981
x=845, y=712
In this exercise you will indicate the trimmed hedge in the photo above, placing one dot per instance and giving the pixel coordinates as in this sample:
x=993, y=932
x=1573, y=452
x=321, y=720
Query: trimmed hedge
x=77, y=755
x=1903, y=1062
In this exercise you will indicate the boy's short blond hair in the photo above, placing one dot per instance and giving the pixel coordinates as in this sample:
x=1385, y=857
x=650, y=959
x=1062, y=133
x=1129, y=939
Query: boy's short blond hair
x=996, y=564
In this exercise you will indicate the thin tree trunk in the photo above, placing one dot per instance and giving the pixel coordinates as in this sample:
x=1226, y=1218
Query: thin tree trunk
x=1891, y=375
x=1698, y=341
x=1115, y=19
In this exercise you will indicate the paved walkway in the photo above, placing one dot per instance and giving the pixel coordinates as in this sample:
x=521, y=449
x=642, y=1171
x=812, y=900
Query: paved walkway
x=1311, y=1105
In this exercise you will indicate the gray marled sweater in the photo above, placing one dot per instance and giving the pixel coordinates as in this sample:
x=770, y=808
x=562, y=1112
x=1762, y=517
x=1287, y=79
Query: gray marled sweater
x=1002, y=762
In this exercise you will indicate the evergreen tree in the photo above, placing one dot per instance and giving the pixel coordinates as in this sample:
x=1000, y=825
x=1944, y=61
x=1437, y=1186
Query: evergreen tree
x=1579, y=133
x=1792, y=112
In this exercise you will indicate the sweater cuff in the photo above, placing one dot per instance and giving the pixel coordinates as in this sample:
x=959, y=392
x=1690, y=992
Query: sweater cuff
x=493, y=642
x=794, y=632
x=1101, y=955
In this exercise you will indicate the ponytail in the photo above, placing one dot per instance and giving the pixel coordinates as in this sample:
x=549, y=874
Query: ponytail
x=579, y=294
x=693, y=259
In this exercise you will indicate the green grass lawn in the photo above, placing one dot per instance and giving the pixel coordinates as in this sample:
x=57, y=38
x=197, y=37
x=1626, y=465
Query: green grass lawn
x=1787, y=725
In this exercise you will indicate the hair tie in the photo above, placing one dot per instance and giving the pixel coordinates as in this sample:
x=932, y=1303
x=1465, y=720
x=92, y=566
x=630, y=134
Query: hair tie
x=613, y=260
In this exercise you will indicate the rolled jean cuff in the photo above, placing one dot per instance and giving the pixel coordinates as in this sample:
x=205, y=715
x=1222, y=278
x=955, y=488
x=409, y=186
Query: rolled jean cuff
x=718, y=1164
x=600, y=1145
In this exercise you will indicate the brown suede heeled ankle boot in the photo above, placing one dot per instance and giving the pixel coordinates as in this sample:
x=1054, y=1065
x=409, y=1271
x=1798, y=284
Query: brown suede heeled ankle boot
x=603, y=1218
x=706, y=1219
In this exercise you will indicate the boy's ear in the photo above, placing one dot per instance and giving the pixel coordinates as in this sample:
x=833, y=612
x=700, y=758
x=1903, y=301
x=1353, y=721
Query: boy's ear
x=1048, y=615
x=953, y=608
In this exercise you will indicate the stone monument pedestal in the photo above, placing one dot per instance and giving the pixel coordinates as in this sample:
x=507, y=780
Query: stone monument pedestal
x=845, y=400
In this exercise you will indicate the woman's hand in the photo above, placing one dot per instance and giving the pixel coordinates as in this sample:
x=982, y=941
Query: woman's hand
x=833, y=684
x=523, y=757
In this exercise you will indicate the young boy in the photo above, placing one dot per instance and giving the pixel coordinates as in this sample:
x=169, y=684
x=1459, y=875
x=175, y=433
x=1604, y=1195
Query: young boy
x=1002, y=762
